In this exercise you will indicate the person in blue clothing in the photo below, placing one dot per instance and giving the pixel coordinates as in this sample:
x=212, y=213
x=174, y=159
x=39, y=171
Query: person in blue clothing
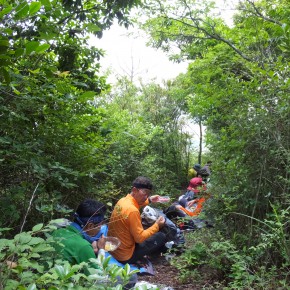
x=83, y=239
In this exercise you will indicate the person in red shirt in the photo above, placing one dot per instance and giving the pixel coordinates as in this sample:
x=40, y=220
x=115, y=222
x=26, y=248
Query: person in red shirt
x=194, y=186
x=125, y=224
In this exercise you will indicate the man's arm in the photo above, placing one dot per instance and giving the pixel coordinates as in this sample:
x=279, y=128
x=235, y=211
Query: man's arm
x=137, y=230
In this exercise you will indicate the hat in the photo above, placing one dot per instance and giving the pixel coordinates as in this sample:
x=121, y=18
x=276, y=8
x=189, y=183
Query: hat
x=197, y=167
x=194, y=183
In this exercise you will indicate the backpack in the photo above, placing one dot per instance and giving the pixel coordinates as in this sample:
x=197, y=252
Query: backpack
x=150, y=215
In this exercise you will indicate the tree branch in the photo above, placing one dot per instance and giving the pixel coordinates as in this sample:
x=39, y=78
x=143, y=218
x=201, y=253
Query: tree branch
x=258, y=13
x=213, y=36
x=96, y=7
x=28, y=209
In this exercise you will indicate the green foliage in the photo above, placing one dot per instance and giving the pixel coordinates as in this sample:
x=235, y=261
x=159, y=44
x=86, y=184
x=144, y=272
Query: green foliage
x=64, y=136
x=58, y=135
x=208, y=256
x=147, y=137
x=238, y=86
x=51, y=135
x=28, y=261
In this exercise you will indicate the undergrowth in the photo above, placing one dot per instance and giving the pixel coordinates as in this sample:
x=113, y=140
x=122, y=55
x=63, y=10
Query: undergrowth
x=216, y=263
x=29, y=261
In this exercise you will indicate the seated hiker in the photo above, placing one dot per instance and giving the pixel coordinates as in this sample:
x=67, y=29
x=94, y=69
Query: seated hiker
x=125, y=224
x=205, y=171
x=83, y=239
x=191, y=173
x=194, y=186
x=77, y=238
x=190, y=204
x=207, y=167
x=193, y=207
x=196, y=167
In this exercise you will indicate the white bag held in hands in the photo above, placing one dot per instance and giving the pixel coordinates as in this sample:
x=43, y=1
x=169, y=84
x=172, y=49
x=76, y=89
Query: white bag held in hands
x=149, y=214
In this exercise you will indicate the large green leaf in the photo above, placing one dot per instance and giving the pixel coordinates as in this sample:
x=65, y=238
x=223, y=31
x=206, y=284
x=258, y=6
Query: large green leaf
x=34, y=8
x=42, y=48
x=31, y=46
x=87, y=96
x=6, y=10
x=37, y=228
x=6, y=74
x=22, y=10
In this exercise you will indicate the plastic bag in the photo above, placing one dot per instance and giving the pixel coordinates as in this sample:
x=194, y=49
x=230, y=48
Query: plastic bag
x=150, y=215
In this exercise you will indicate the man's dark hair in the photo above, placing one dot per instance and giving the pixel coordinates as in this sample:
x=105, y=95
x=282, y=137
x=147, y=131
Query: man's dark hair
x=143, y=182
x=203, y=172
x=90, y=207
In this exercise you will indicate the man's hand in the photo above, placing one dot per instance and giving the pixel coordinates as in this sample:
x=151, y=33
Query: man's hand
x=95, y=247
x=154, y=198
x=160, y=222
x=101, y=242
x=192, y=202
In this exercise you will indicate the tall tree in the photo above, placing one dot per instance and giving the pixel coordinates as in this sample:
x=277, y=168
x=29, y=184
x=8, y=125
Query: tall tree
x=154, y=142
x=51, y=142
x=238, y=83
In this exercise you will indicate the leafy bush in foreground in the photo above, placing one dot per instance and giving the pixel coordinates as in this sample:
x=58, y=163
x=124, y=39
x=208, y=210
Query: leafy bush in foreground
x=29, y=261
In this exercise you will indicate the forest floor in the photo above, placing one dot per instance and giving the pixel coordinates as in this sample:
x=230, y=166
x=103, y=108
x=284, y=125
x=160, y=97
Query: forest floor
x=166, y=276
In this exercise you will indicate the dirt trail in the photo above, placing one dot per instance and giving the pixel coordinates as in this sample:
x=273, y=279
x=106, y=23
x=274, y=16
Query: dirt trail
x=166, y=275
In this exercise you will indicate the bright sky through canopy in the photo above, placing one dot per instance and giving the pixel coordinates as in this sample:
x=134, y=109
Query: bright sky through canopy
x=128, y=54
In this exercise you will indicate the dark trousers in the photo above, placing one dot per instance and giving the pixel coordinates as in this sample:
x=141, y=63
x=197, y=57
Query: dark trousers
x=152, y=245
x=172, y=212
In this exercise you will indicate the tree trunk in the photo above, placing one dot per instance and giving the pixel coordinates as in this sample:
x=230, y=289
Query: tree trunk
x=200, y=141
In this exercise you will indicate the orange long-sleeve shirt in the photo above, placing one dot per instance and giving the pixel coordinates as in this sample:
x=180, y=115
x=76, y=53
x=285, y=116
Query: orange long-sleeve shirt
x=125, y=224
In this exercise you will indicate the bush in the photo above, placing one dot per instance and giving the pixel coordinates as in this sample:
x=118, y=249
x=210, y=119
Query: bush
x=29, y=261
x=211, y=258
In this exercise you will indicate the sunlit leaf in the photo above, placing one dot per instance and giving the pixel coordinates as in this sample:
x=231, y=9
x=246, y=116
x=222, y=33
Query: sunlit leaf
x=34, y=7
x=22, y=10
x=87, y=95
x=5, y=11
x=42, y=48
x=93, y=27
x=31, y=46
x=32, y=287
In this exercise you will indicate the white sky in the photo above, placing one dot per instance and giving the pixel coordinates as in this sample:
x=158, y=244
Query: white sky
x=126, y=54
x=129, y=54
x=123, y=52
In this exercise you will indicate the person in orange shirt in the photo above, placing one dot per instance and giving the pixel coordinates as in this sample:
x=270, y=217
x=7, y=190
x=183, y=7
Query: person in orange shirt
x=125, y=224
x=193, y=207
x=191, y=203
